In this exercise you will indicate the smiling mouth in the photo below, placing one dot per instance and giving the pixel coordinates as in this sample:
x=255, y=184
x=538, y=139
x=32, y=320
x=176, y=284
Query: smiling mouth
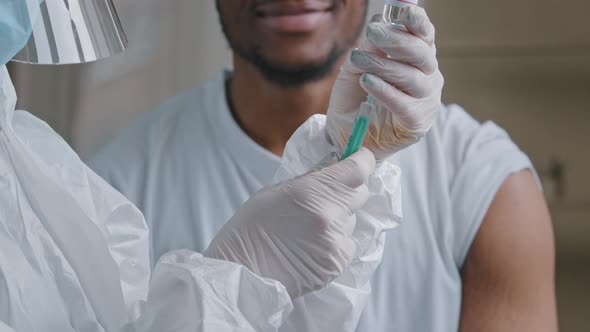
x=278, y=9
x=295, y=17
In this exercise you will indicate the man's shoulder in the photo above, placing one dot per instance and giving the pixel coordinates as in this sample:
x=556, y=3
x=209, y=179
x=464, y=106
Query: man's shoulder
x=195, y=102
x=461, y=152
x=454, y=119
x=190, y=106
x=458, y=134
x=451, y=131
x=450, y=179
x=148, y=137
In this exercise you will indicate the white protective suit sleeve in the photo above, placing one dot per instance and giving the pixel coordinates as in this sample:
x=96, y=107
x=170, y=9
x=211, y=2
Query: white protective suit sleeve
x=191, y=293
x=74, y=252
x=338, y=306
x=5, y=328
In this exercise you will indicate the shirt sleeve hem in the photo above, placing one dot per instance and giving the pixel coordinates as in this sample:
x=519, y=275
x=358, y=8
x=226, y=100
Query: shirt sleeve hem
x=476, y=211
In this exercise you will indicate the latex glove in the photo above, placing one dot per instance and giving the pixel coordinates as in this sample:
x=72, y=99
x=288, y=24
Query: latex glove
x=299, y=232
x=399, y=68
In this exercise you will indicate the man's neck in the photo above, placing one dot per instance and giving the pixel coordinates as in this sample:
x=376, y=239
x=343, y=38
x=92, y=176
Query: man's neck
x=270, y=113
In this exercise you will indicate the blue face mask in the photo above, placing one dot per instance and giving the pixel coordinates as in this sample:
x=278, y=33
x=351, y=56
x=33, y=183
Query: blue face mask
x=15, y=28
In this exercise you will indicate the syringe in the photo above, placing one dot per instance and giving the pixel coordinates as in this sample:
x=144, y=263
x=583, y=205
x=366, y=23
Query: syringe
x=359, y=128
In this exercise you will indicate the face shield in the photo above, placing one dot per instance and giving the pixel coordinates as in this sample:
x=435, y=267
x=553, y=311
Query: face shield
x=70, y=31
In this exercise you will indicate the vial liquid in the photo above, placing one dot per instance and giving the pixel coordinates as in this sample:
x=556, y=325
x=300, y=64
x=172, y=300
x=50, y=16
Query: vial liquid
x=392, y=11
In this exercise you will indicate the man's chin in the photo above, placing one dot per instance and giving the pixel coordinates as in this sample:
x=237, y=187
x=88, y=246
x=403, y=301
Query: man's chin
x=290, y=76
x=296, y=72
x=296, y=55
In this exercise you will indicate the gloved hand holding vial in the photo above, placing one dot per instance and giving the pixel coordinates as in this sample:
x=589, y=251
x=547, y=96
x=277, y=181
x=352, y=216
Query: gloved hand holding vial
x=396, y=65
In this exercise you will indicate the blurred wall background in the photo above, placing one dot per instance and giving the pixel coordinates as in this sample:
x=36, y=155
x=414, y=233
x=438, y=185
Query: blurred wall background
x=526, y=65
x=523, y=64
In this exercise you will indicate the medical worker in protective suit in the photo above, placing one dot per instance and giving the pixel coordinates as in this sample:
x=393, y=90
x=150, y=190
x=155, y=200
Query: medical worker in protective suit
x=74, y=252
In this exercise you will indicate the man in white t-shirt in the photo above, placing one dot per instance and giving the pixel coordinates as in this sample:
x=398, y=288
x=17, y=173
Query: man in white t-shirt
x=475, y=251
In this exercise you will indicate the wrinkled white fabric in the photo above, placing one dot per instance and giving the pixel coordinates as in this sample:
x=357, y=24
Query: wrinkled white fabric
x=5, y=328
x=340, y=304
x=74, y=252
x=53, y=242
x=191, y=293
x=299, y=231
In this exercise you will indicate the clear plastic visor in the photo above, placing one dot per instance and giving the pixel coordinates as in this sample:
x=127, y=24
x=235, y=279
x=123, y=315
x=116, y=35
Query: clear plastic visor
x=70, y=31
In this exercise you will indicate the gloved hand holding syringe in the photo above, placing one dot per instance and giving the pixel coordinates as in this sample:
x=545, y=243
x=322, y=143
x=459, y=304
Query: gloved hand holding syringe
x=394, y=77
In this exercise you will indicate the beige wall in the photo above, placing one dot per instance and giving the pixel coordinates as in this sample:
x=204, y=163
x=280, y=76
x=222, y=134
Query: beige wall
x=174, y=45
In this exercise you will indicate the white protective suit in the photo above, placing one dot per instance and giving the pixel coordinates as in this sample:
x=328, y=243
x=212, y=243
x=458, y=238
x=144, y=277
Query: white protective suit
x=74, y=252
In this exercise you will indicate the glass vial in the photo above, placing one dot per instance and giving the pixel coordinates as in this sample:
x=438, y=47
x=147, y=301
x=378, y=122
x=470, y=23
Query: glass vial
x=392, y=11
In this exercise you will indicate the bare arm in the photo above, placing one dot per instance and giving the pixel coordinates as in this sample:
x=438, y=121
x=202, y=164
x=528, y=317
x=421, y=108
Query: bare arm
x=508, y=275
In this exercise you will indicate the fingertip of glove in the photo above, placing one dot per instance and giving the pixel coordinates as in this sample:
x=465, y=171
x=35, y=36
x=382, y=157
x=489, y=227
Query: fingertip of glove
x=413, y=15
x=365, y=160
x=373, y=85
x=366, y=151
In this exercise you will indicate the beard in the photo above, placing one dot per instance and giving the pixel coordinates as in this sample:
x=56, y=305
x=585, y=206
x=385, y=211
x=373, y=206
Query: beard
x=292, y=76
x=287, y=75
